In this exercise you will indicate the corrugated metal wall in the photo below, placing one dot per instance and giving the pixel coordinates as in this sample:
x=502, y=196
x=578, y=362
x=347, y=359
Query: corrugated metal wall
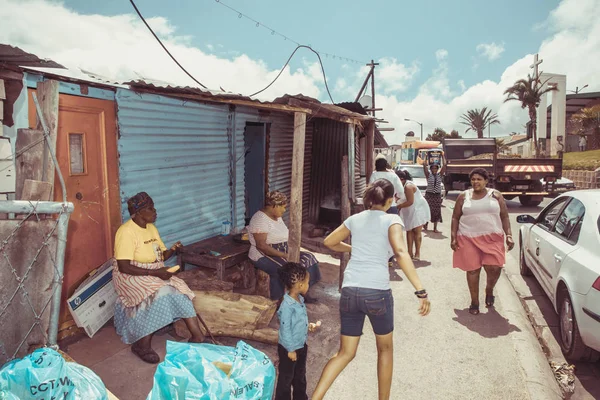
x=178, y=151
x=280, y=149
x=360, y=182
x=330, y=144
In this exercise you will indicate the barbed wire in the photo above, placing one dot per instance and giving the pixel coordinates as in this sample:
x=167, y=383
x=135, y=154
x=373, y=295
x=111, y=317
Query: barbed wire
x=285, y=37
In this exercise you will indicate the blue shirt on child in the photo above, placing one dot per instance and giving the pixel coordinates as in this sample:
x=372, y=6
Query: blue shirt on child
x=293, y=323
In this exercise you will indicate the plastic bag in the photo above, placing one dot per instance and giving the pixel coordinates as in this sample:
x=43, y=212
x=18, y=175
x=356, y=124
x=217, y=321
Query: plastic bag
x=210, y=372
x=45, y=375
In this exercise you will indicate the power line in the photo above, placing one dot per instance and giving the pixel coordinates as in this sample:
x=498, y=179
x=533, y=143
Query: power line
x=286, y=64
x=163, y=46
x=285, y=37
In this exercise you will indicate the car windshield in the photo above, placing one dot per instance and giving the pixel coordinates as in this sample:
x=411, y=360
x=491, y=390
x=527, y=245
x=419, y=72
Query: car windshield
x=416, y=171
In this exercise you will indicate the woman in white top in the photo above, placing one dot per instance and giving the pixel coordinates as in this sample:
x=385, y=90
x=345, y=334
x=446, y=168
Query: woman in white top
x=415, y=214
x=480, y=227
x=366, y=292
x=268, y=237
x=382, y=172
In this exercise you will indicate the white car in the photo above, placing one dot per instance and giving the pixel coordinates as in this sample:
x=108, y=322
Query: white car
x=561, y=247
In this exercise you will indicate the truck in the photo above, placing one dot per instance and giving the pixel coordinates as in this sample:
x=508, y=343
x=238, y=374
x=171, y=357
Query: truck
x=414, y=152
x=513, y=177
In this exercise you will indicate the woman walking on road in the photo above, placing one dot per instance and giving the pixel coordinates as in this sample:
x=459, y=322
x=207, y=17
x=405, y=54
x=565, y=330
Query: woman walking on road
x=366, y=287
x=415, y=213
x=433, y=194
x=480, y=227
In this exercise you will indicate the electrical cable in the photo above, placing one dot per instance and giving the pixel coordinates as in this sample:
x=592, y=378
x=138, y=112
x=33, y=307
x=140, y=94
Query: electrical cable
x=286, y=64
x=163, y=46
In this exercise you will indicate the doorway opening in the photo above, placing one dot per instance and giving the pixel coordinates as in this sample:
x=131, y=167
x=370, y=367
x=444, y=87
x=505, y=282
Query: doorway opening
x=255, y=144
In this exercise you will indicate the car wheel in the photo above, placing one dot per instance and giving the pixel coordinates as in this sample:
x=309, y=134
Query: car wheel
x=570, y=339
x=527, y=201
x=523, y=267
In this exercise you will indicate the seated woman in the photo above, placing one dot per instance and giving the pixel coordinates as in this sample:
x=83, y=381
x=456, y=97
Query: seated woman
x=268, y=236
x=150, y=297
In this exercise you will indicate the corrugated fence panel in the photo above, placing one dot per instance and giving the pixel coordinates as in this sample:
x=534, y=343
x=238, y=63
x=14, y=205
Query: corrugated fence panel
x=360, y=181
x=330, y=144
x=281, y=143
x=178, y=152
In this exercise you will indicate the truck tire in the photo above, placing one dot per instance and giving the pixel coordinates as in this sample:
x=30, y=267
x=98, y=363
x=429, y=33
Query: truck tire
x=527, y=201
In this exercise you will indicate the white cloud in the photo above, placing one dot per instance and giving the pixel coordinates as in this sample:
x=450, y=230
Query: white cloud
x=392, y=76
x=121, y=47
x=441, y=55
x=491, y=51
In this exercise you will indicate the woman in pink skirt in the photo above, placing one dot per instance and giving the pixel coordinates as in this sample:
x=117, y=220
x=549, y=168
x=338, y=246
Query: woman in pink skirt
x=480, y=227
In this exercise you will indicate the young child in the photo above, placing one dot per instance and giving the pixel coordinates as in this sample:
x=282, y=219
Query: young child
x=293, y=332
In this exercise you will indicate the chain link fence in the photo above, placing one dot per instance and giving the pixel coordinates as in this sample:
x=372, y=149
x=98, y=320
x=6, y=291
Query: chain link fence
x=32, y=250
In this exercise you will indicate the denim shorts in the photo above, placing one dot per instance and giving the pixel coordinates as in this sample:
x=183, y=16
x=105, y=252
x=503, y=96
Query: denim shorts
x=356, y=303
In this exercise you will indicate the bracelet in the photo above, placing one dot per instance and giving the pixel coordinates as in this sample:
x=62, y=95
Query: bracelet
x=421, y=294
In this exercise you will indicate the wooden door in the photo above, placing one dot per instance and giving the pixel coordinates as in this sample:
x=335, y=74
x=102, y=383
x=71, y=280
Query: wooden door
x=86, y=149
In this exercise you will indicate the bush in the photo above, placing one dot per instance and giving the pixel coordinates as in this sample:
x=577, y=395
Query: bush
x=582, y=161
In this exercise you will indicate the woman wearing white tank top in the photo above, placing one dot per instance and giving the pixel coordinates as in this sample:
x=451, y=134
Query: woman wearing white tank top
x=480, y=223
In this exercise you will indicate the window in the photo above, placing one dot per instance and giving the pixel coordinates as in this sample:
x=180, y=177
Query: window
x=550, y=214
x=569, y=222
x=77, y=153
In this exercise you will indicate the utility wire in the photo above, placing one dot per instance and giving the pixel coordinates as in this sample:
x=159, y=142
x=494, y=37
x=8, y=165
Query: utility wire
x=163, y=46
x=285, y=37
x=286, y=64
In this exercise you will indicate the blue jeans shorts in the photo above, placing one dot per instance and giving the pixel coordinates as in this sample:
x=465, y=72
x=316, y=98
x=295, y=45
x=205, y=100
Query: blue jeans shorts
x=358, y=303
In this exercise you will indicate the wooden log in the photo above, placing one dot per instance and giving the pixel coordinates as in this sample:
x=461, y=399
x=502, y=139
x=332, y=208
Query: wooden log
x=36, y=190
x=196, y=280
x=29, y=149
x=222, y=309
x=295, y=236
x=47, y=93
x=345, y=211
x=369, y=149
x=264, y=335
x=263, y=282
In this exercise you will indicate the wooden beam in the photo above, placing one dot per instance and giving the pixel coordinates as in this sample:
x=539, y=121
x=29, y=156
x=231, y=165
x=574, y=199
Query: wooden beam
x=36, y=190
x=319, y=111
x=29, y=149
x=351, y=161
x=47, y=93
x=295, y=237
x=345, y=211
x=369, y=149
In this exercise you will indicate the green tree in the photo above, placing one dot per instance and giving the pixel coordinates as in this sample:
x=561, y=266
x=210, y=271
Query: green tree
x=529, y=93
x=588, y=120
x=479, y=120
x=439, y=134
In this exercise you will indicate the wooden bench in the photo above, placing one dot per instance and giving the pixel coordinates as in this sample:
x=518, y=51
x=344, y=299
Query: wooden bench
x=227, y=253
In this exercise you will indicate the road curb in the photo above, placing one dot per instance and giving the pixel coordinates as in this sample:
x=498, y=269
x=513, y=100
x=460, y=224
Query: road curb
x=539, y=378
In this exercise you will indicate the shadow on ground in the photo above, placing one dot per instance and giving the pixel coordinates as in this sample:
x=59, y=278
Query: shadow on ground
x=488, y=323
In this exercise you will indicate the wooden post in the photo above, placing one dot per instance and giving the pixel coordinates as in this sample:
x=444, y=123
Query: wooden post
x=345, y=211
x=29, y=163
x=295, y=238
x=47, y=93
x=370, y=148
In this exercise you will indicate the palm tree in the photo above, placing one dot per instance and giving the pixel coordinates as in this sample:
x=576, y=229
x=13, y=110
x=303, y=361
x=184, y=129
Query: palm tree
x=478, y=120
x=529, y=92
x=586, y=120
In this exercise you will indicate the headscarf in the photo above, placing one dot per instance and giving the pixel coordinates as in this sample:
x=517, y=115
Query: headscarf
x=276, y=198
x=138, y=202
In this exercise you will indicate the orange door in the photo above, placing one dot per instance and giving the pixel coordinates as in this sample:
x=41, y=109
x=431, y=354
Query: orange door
x=86, y=149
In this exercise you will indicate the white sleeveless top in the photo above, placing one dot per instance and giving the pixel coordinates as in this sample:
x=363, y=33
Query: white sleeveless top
x=480, y=217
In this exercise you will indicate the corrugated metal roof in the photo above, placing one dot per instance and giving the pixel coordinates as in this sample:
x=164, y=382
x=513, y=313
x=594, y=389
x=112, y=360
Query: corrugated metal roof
x=323, y=110
x=15, y=56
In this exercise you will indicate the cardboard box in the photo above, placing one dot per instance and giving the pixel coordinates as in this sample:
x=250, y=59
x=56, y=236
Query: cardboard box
x=93, y=303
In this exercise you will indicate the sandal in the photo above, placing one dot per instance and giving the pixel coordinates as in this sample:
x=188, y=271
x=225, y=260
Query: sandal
x=474, y=309
x=147, y=355
x=489, y=300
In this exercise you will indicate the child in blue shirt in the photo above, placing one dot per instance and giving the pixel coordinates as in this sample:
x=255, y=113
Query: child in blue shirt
x=293, y=332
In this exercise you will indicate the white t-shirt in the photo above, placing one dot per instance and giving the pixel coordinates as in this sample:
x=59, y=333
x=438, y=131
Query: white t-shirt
x=394, y=180
x=277, y=232
x=371, y=249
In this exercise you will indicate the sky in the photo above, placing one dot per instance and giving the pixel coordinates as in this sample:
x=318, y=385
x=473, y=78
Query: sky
x=437, y=59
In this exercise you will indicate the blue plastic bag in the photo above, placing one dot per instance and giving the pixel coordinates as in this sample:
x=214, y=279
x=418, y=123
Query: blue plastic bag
x=210, y=372
x=45, y=375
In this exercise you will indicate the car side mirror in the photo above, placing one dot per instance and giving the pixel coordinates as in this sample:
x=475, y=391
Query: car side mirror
x=525, y=219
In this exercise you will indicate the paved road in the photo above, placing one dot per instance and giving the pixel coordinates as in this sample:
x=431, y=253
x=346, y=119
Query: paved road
x=452, y=354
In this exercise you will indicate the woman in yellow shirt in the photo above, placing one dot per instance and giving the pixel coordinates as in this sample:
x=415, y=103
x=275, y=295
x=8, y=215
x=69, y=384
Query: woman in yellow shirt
x=150, y=297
